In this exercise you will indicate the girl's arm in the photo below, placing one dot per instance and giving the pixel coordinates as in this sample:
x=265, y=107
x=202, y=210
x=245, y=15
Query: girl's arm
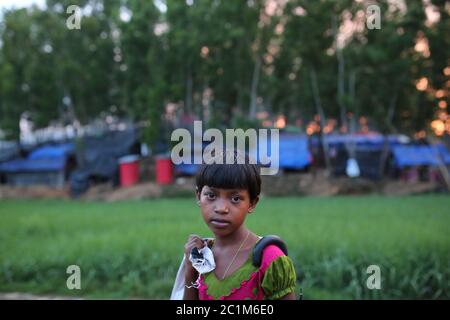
x=190, y=293
x=191, y=273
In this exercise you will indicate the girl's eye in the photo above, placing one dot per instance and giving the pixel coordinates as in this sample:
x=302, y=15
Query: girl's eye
x=235, y=199
x=210, y=195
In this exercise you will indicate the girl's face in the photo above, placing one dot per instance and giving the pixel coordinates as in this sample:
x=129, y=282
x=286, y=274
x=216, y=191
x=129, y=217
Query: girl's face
x=224, y=210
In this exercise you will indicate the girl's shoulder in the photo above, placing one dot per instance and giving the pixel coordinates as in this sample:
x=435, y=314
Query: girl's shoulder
x=270, y=254
x=279, y=276
x=268, y=249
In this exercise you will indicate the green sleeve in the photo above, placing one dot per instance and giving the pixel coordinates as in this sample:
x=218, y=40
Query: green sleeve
x=279, y=278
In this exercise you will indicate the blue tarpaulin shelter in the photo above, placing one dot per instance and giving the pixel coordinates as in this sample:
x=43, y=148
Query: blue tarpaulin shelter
x=444, y=153
x=30, y=165
x=186, y=169
x=46, y=158
x=420, y=155
x=293, y=154
x=44, y=165
x=371, y=141
x=52, y=151
x=98, y=157
x=365, y=148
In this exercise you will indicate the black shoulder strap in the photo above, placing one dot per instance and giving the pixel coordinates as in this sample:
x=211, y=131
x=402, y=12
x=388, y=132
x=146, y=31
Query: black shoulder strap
x=264, y=242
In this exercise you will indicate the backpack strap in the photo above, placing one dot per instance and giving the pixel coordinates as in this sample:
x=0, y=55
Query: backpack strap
x=263, y=243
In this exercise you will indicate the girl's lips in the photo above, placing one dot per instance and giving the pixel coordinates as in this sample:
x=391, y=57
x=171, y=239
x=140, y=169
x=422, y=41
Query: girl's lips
x=219, y=223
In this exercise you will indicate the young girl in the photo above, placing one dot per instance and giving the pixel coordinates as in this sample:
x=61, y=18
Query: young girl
x=226, y=194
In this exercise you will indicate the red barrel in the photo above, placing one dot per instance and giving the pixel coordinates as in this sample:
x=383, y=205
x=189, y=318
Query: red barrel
x=129, y=170
x=164, y=170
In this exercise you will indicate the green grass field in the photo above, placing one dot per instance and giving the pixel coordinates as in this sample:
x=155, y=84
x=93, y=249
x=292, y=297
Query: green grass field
x=133, y=249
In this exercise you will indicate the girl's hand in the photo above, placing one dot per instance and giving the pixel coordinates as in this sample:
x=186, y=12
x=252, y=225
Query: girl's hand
x=194, y=241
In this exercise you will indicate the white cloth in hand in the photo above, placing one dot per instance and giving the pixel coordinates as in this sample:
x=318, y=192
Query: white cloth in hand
x=203, y=264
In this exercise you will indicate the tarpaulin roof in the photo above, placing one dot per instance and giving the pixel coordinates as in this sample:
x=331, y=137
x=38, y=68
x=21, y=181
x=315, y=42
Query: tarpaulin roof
x=99, y=157
x=417, y=155
x=27, y=165
x=188, y=169
x=52, y=151
x=370, y=141
x=293, y=154
x=46, y=158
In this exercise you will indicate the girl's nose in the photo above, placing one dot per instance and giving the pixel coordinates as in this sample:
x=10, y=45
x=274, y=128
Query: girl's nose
x=221, y=207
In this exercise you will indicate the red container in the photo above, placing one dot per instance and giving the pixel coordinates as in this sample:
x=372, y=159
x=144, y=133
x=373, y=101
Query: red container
x=164, y=171
x=129, y=170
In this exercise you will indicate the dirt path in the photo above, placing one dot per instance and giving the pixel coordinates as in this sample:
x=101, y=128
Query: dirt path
x=28, y=296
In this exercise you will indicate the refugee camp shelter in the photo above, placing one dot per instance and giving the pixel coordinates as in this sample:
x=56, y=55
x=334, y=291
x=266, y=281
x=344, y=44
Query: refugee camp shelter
x=420, y=162
x=420, y=155
x=97, y=158
x=8, y=151
x=366, y=148
x=45, y=165
x=294, y=152
x=293, y=149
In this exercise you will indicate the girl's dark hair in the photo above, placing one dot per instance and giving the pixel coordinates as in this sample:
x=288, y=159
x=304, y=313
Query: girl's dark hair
x=231, y=176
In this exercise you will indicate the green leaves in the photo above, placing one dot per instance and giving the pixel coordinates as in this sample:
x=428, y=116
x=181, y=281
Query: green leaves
x=155, y=57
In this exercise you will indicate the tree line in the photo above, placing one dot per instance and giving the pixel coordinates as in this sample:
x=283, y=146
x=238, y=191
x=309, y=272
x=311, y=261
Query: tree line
x=229, y=63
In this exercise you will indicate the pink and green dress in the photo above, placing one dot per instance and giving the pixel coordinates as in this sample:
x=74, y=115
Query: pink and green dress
x=274, y=279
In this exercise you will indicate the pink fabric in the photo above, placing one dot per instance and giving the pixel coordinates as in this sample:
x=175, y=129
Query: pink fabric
x=245, y=291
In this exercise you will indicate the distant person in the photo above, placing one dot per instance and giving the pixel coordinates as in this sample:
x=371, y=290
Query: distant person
x=237, y=264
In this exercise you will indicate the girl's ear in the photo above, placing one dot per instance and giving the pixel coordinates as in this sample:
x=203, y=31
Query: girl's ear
x=197, y=194
x=253, y=204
